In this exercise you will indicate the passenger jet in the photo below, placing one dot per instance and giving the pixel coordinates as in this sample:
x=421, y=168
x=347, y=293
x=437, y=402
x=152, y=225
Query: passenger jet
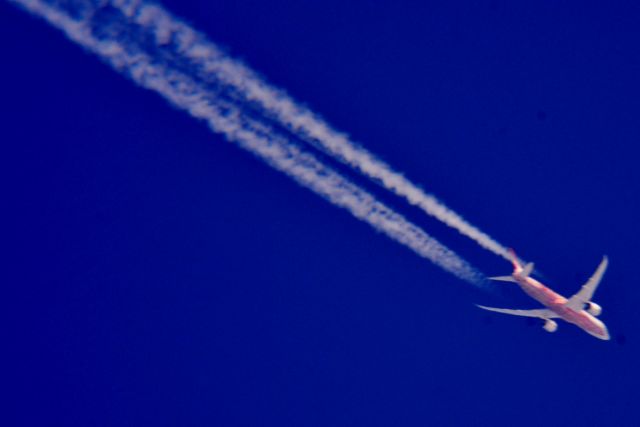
x=579, y=309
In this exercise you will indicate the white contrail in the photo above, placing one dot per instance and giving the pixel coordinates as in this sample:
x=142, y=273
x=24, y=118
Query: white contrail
x=154, y=71
x=277, y=105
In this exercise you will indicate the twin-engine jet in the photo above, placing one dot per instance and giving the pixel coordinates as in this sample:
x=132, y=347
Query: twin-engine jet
x=579, y=309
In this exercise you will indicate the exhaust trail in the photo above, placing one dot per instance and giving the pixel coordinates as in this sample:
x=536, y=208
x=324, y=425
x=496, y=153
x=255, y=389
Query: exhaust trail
x=113, y=39
x=278, y=106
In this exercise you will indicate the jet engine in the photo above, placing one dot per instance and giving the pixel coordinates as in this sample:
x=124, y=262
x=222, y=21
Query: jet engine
x=550, y=325
x=593, y=309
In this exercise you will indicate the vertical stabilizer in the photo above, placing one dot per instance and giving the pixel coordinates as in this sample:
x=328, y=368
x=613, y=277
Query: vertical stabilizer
x=514, y=260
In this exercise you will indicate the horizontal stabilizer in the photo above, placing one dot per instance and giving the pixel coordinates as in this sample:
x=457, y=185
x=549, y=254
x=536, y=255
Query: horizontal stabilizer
x=526, y=271
x=503, y=278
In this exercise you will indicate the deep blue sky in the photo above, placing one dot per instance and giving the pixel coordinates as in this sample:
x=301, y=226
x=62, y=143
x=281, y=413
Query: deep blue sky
x=157, y=275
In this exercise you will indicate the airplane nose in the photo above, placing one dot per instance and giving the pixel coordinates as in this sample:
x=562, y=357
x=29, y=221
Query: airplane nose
x=600, y=330
x=605, y=334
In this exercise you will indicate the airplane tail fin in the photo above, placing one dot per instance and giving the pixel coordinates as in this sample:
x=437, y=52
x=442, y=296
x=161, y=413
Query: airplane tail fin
x=514, y=259
x=518, y=269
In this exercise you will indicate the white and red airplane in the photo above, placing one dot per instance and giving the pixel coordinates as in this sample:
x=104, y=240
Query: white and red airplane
x=579, y=309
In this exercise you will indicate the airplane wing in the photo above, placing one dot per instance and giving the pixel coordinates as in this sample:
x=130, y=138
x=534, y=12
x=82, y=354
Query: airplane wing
x=543, y=313
x=584, y=295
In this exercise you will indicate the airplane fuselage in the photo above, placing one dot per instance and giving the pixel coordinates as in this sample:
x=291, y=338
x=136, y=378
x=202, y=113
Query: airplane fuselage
x=557, y=303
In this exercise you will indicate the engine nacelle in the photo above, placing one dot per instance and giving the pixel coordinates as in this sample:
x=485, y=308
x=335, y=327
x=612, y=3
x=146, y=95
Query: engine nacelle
x=593, y=309
x=550, y=325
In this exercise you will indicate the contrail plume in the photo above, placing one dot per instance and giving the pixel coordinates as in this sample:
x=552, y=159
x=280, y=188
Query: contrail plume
x=113, y=39
x=280, y=107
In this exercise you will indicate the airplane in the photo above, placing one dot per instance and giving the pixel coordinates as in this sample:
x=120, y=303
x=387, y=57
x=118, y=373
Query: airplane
x=579, y=309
